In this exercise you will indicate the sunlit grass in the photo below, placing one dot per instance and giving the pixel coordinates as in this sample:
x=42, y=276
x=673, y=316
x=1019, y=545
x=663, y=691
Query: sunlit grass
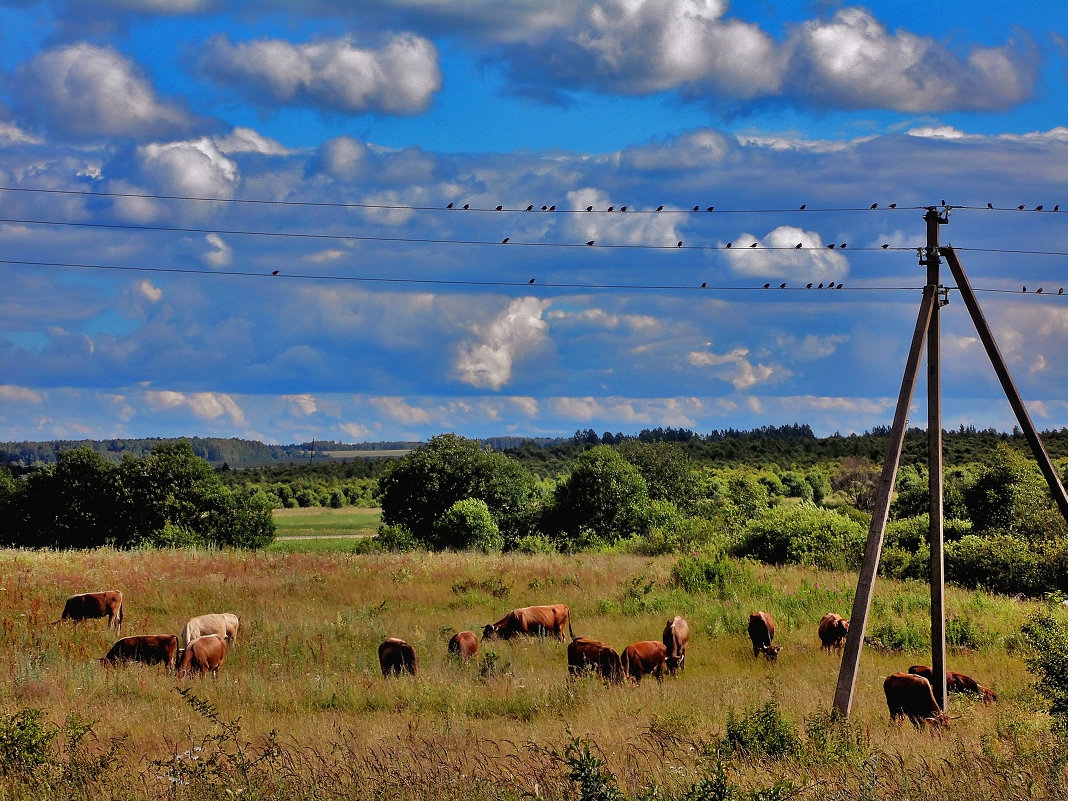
x=322, y=521
x=306, y=662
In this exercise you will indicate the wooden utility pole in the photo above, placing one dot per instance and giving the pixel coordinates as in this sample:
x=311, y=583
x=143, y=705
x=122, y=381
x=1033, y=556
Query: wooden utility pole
x=934, y=222
x=927, y=327
x=847, y=676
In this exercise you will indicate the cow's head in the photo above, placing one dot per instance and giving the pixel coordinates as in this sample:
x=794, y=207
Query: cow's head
x=842, y=627
x=771, y=652
x=673, y=663
x=490, y=632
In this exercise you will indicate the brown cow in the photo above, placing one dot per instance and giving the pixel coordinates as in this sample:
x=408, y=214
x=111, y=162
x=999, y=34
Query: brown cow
x=202, y=655
x=833, y=630
x=957, y=683
x=396, y=657
x=533, y=621
x=89, y=605
x=584, y=654
x=644, y=657
x=676, y=638
x=909, y=695
x=151, y=649
x=464, y=644
x=761, y=632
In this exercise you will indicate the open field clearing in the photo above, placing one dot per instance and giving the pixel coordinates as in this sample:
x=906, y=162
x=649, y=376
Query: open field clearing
x=301, y=710
x=322, y=521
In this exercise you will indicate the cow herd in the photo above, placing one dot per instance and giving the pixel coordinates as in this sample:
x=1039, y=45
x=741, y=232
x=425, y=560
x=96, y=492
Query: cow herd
x=202, y=645
x=200, y=650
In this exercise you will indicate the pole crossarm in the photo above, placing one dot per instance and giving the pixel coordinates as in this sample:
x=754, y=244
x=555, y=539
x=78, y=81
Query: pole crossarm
x=1045, y=464
x=847, y=676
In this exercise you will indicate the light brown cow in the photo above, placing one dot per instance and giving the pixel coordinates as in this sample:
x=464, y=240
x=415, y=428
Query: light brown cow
x=909, y=695
x=761, y=632
x=202, y=655
x=641, y=658
x=957, y=683
x=90, y=605
x=225, y=624
x=586, y=655
x=676, y=638
x=464, y=644
x=395, y=657
x=150, y=649
x=832, y=631
x=532, y=621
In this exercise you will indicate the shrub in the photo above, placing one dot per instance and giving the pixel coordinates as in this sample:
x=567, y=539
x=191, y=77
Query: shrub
x=27, y=741
x=468, y=525
x=395, y=538
x=764, y=731
x=1047, y=659
x=1000, y=563
x=699, y=574
x=534, y=543
x=805, y=534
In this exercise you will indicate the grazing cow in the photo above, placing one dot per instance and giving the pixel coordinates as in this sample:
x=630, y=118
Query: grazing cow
x=464, y=644
x=909, y=695
x=533, y=621
x=225, y=624
x=957, y=683
x=89, y=605
x=584, y=655
x=202, y=655
x=396, y=657
x=676, y=638
x=833, y=630
x=761, y=632
x=645, y=657
x=151, y=649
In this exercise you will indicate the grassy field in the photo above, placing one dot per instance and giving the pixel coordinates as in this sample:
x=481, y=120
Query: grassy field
x=321, y=521
x=300, y=709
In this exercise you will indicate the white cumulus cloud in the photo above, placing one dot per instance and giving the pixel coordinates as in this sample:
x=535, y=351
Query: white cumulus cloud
x=334, y=74
x=516, y=332
x=84, y=90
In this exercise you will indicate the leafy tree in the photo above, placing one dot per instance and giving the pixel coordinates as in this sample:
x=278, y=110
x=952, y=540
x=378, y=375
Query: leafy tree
x=603, y=496
x=670, y=475
x=1010, y=496
x=417, y=490
x=856, y=478
x=71, y=504
x=468, y=525
x=804, y=534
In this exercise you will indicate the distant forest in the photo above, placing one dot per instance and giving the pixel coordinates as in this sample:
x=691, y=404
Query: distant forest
x=789, y=446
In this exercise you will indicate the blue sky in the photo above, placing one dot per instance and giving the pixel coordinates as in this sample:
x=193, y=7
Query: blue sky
x=326, y=139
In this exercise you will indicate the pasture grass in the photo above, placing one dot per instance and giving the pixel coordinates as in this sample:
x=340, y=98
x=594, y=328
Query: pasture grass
x=323, y=521
x=300, y=709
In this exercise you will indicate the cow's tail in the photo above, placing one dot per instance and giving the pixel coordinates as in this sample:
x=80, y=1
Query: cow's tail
x=570, y=630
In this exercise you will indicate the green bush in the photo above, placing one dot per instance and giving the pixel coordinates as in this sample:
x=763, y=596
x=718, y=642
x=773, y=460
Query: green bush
x=706, y=574
x=27, y=741
x=1001, y=563
x=805, y=534
x=395, y=538
x=468, y=525
x=1047, y=659
x=761, y=732
x=534, y=543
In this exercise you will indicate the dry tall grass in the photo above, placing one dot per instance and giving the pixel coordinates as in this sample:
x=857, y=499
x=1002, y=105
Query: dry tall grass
x=300, y=709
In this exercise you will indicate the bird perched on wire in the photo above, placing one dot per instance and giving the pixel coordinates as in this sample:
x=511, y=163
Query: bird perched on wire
x=990, y=205
x=886, y=245
x=449, y=206
x=1021, y=207
x=729, y=244
x=530, y=207
x=820, y=286
x=754, y=245
x=782, y=285
x=808, y=285
x=1039, y=290
x=589, y=208
x=275, y=272
x=590, y=243
x=766, y=286
x=1023, y=288
x=704, y=284
x=531, y=281
x=875, y=205
x=678, y=244
x=831, y=246
x=797, y=246
x=552, y=208
x=711, y=208
x=500, y=208
x=659, y=208
x=622, y=208
x=467, y=206
x=893, y=205
x=505, y=240
x=1038, y=207
x=803, y=206
x=842, y=246
x=611, y=208
x=1060, y=291
x=696, y=208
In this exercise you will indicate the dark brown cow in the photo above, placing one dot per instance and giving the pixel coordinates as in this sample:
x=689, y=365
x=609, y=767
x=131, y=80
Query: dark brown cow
x=532, y=621
x=584, y=655
x=909, y=695
x=202, y=655
x=151, y=649
x=90, y=605
x=641, y=658
x=676, y=638
x=396, y=657
x=761, y=632
x=833, y=630
x=957, y=683
x=464, y=644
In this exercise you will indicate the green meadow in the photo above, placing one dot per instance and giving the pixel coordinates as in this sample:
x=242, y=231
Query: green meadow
x=300, y=709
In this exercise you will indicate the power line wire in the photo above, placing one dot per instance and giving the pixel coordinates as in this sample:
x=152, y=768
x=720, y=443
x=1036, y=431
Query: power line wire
x=532, y=284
